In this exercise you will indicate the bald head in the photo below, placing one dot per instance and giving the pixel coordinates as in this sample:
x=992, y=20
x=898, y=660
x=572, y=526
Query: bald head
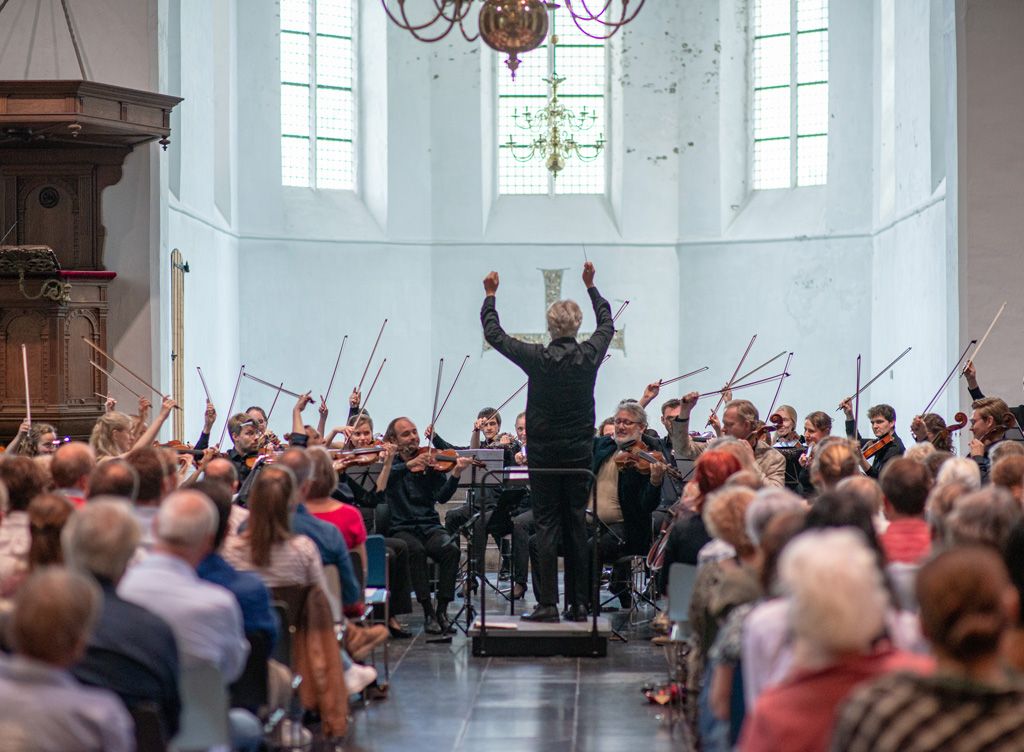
x=185, y=525
x=72, y=464
x=222, y=470
x=114, y=478
x=301, y=466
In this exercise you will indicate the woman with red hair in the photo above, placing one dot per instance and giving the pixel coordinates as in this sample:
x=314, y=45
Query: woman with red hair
x=688, y=535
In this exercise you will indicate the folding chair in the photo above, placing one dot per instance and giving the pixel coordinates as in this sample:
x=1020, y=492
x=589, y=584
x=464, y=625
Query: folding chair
x=204, y=709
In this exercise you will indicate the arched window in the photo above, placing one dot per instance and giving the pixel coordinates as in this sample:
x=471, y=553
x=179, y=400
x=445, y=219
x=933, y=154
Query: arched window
x=318, y=106
x=582, y=62
x=790, y=100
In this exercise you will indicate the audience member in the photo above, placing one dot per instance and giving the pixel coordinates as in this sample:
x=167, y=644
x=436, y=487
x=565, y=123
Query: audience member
x=962, y=470
x=21, y=478
x=131, y=651
x=983, y=517
x=1008, y=472
x=54, y=612
x=114, y=477
x=905, y=485
x=71, y=467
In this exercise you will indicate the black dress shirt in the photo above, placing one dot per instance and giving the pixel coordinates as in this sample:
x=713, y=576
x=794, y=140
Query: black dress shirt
x=412, y=496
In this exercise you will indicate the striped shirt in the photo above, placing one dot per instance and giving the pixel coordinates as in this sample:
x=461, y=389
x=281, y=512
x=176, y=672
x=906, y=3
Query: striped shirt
x=295, y=561
x=907, y=713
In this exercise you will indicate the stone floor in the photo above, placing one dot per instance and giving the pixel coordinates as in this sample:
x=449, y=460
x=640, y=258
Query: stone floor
x=442, y=698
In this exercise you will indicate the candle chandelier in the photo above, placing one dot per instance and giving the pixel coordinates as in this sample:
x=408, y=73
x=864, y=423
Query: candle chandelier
x=509, y=26
x=555, y=142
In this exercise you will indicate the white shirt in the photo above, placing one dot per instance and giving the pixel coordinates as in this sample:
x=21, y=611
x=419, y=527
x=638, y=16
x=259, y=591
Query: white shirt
x=44, y=708
x=205, y=618
x=15, y=539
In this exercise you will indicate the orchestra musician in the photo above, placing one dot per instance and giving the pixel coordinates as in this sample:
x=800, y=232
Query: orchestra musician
x=245, y=436
x=560, y=419
x=671, y=488
x=883, y=426
x=741, y=421
x=790, y=445
x=817, y=428
x=971, y=375
x=989, y=421
x=626, y=497
x=412, y=488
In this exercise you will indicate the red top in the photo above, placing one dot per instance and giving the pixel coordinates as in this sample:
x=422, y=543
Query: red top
x=906, y=540
x=349, y=521
x=798, y=714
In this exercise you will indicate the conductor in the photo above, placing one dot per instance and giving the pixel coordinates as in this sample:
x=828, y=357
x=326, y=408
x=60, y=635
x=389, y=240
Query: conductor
x=560, y=423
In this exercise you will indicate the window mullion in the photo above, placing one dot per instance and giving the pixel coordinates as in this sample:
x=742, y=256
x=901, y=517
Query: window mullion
x=312, y=95
x=793, y=123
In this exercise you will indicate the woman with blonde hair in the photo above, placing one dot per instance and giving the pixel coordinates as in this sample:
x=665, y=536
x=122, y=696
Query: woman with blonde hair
x=112, y=434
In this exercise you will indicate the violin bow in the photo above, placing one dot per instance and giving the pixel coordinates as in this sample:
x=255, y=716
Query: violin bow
x=877, y=376
x=114, y=378
x=323, y=397
x=28, y=398
x=231, y=405
x=497, y=410
x=205, y=387
x=666, y=382
x=785, y=373
x=752, y=371
x=372, y=353
x=985, y=337
x=766, y=380
x=437, y=394
x=856, y=401
x=721, y=392
x=273, y=404
x=115, y=361
x=369, y=393
x=945, y=383
x=621, y=309
x=452, y=389
x=272, y=386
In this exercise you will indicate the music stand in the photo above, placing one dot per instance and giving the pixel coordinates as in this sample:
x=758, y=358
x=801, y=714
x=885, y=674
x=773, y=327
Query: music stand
x=365, y=476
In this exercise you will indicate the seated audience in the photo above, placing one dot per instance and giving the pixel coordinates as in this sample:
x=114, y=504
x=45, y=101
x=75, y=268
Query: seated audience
x=114, y=477
x=53, y=616
x=47, y=514
x=21, y=478
x=154, y=485
x=970, y=703
x=834, y=459
x=1008, y=473
x=983, y=518
x=905, y=485
x=837, y=609
x=131, y=651
x=959, y=469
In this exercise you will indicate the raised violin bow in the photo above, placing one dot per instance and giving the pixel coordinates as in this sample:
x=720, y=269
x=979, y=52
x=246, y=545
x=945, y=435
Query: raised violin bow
x=985, y=337
x=949, y=377
x=370, y=359
x=876, y=377
x=115, y=361
x=274, y=403
x=452, y=389
x=621, y=309
x=6, y=234
x=272, y=386
x=752, y=371
x=666, y=382
x=785, y=373
x=721, y=392
x=856, y=400
x=323, y=397
x=498, y=409
x=231, y=405
x=205, y=387
x=114, y=378
x=766, y=380
x=28, y=398
x=362, y=407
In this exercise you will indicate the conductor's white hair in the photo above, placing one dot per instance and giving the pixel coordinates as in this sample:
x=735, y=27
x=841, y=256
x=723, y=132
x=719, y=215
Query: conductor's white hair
x=837, y=596
x=962, y=470
x=564, y=319
x=186, y=518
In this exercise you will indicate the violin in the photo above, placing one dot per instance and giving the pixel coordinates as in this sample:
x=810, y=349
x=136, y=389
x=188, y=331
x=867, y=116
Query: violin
x=181, y=448
x=362, y=456
x=942, y=436
x=443, y=460
x=764, y=430
x=876, y=446
x=636, y=457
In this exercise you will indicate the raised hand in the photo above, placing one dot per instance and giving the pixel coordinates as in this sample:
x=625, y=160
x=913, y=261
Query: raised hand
x=354, y=398
x=491, y=283
x=166, y=405
x=588, y=274
x=209, y=416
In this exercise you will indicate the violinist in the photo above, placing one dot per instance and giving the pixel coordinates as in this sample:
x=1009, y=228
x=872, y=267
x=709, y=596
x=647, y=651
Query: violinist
x=885, y=446
x=267, y=439
x=522, y=523
x=626, y=497
x=789, y=443
x=931, y=428
x=971, y=374
x=671, y=488
x=209, y=418
x=817, y=428
x=989, y=420
x=413, y=490
x=245, y=436
x=741, y=421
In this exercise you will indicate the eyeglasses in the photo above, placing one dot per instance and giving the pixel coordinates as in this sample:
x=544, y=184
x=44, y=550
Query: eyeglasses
x=624, y=422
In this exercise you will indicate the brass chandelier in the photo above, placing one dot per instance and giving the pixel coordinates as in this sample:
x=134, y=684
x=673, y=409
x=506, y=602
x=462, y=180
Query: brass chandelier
x=509, y=26
x=555, y=143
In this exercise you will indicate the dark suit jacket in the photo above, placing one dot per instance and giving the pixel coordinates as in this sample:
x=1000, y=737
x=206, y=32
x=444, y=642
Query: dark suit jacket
x=637, y=496
x=560, y=397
